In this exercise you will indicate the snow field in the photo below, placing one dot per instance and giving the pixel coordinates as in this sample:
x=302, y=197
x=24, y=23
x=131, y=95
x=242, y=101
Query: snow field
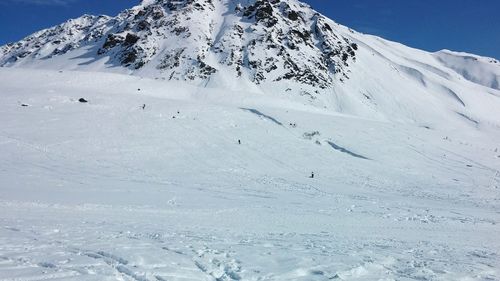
x=109, y=191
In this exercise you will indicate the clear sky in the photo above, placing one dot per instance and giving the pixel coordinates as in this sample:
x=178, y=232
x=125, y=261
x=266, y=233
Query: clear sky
x=460, y=25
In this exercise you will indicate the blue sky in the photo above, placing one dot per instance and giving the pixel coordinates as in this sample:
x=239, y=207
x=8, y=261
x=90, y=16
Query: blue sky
x=461, y=25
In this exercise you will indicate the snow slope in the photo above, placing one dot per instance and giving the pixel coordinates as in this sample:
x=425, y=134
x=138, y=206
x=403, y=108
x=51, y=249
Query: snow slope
x=481, y=70
x=109, y=191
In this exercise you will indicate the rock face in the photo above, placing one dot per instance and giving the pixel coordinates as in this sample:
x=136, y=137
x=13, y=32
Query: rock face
x=193, y=40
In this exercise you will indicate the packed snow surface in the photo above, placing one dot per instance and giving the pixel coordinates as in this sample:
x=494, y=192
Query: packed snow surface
x=147, y=181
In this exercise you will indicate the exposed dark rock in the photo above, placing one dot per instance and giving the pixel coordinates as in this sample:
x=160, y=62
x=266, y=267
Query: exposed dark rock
x=111, y=41
x=293, y=15
x=129, y=57
x=143, y=25
x=131, y=39
x=262, y=11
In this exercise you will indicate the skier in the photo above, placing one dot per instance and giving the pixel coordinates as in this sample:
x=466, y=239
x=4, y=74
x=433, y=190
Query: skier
x=143, y=106
x=239, y=141
x=312, y=175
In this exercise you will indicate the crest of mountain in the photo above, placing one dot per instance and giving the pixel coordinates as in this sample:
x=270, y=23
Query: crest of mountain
x=195, y=39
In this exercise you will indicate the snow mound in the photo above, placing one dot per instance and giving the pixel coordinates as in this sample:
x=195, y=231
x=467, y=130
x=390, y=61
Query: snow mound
x=480, y=70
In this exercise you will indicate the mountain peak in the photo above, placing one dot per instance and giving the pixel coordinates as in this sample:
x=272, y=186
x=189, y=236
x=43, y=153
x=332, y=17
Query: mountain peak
x=194, y=40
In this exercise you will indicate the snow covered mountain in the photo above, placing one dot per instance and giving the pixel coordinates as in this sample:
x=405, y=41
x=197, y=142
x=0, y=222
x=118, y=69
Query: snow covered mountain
x=244, y=140
x=279, y=48
x=196, y=40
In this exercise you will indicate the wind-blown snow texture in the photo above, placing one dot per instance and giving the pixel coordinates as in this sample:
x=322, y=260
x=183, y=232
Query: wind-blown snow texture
x=147, y=180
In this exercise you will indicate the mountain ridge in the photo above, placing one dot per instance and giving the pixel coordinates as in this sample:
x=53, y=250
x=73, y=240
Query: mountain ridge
x=136, y=37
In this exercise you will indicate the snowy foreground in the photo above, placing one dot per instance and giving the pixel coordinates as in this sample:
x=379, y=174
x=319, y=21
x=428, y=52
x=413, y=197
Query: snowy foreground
x=108, y=191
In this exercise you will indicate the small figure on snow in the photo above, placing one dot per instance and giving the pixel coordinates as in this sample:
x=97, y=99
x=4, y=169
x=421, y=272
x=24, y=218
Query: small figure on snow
x=82, y=100
x=312, y=175
x=239, y=141
x=143, y=106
